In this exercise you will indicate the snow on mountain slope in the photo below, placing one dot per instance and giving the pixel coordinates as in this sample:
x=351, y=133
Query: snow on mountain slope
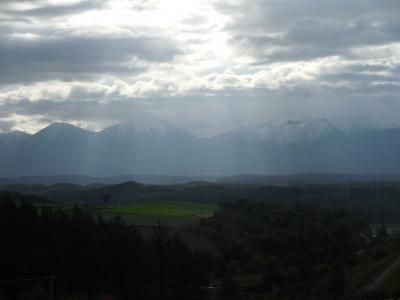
x=291, y=131
x=140, y=125
x=286, y=132
x=204, y=130
x=148, y=145
x=260, y=132
x=305, y=130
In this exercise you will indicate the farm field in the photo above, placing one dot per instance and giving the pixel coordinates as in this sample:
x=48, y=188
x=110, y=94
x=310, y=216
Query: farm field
x=176, y=215
x=163, y=208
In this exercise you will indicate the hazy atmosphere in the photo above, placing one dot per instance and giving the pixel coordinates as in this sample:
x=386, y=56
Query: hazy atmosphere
x=199, y=149
x=201, y=63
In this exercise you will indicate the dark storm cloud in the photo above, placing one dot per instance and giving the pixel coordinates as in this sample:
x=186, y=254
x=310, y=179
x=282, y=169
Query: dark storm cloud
x=305, y=29
x=70, y=58
x=34, y=47
x=308, y=58
x=53, y=10
x=276, y=15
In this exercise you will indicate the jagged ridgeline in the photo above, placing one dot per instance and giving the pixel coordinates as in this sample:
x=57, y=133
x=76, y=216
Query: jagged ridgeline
x=148, y=145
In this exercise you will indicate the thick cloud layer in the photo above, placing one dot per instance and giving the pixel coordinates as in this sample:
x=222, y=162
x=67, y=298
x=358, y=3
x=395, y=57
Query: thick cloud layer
x=74, y=58
x=305, y=29
x=43, y=10
x=211, y=62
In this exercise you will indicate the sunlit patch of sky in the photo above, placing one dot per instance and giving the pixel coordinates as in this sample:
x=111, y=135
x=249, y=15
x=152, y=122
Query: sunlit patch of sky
x=199, y=61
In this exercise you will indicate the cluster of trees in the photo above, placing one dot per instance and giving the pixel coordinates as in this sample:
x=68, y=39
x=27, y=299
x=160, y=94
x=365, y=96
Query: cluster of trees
x=294, y=250
x=91, y=257
x=379, y=201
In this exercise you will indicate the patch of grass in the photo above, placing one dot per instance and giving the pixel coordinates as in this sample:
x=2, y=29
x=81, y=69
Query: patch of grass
x=164, y=208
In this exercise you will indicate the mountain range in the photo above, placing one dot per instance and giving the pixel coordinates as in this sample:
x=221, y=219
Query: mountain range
x=151, y=146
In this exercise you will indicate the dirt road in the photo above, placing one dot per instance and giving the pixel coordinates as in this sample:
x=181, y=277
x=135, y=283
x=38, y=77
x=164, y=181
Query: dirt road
x=382, y=274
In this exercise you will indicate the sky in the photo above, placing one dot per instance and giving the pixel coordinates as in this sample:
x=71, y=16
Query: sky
x=212, y=63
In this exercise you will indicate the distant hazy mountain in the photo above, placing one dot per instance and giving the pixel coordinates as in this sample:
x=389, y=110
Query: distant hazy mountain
x=148, y=145
x=307, y=178
x=143, y=125
x=89, y=180
x=13, y=136
x=288, y=132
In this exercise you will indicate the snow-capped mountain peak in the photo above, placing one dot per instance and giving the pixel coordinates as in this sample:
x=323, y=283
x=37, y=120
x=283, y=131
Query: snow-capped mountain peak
x=204, y=130
x=143, y=124
x=305, y=130
x=290, y=131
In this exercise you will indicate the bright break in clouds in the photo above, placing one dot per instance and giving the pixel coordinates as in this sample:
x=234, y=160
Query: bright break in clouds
x=94, y=63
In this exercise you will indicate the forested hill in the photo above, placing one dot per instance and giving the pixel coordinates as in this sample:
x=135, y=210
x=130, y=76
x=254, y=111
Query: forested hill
x=91, y=257
x=295, y=250
x=379, y=201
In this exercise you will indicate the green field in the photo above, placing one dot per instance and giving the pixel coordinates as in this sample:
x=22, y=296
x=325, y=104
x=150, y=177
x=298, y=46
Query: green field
x=163, y=208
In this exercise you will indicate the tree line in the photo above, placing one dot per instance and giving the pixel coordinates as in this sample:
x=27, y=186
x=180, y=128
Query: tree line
x=297, y=251
x=91, y=257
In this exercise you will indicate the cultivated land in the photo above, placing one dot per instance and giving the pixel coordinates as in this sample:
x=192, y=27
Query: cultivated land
x=164, y=208
x=324, y=226
x=176, y=215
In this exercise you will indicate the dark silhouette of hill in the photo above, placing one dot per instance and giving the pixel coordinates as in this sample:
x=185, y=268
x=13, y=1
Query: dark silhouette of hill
x=307, y=178
x=378, y=200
